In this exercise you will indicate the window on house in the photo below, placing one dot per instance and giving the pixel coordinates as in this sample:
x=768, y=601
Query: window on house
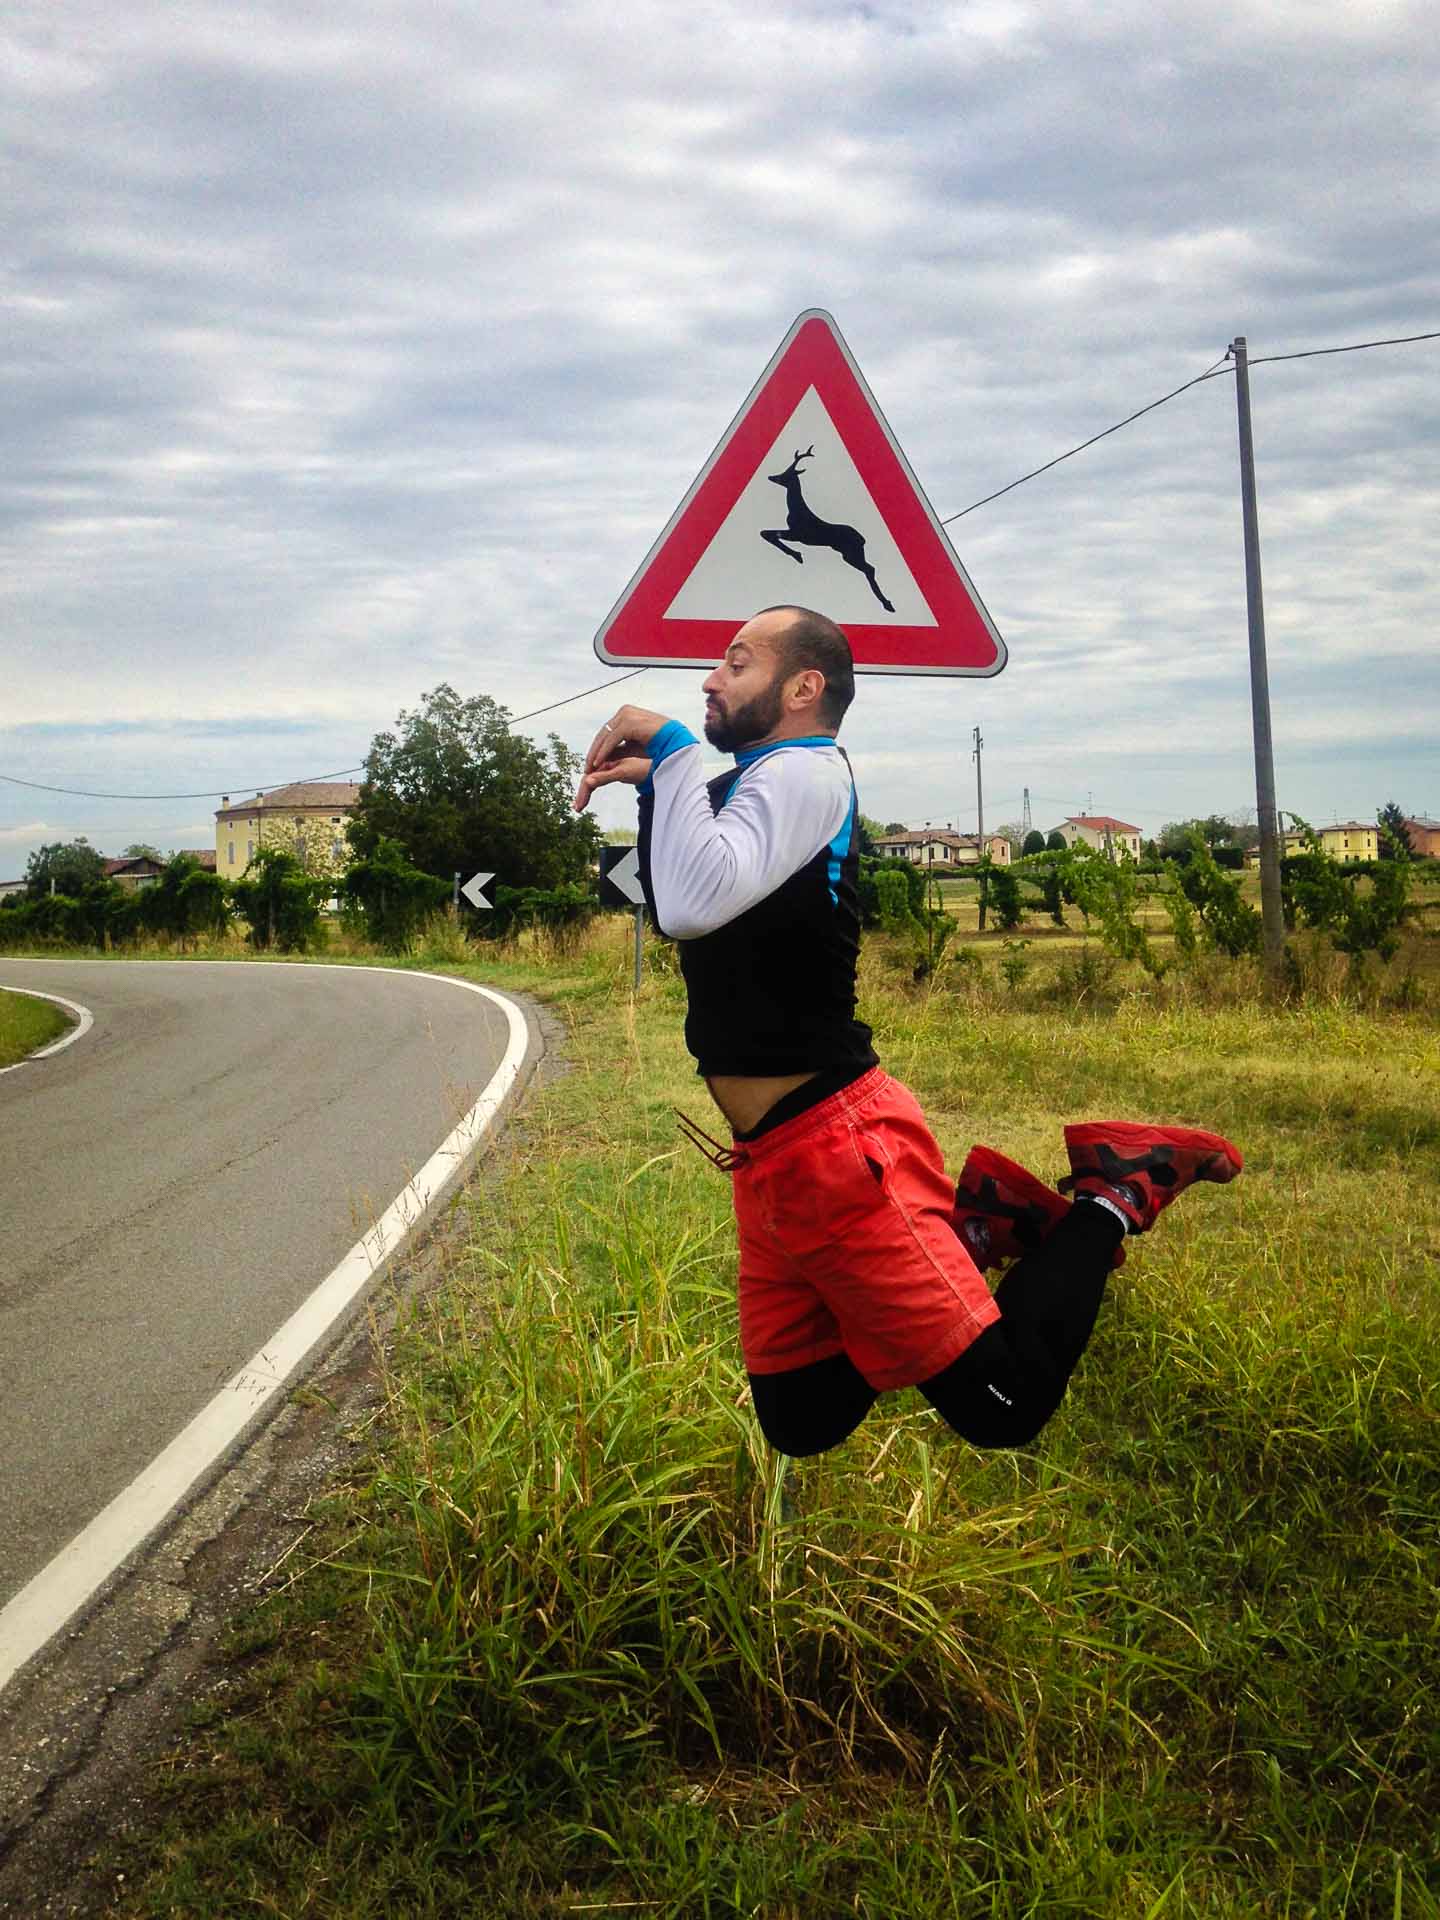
x=231, y=855
x=250, y=849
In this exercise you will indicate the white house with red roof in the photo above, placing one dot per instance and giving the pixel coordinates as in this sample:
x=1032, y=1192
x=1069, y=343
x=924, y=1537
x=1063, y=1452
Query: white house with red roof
x=1103, y=832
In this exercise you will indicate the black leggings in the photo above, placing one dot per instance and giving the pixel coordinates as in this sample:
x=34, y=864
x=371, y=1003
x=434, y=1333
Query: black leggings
x=1004, y=1386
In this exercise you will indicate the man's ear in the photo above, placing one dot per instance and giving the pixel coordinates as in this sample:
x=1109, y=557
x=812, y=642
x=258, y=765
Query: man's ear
x=807, y=687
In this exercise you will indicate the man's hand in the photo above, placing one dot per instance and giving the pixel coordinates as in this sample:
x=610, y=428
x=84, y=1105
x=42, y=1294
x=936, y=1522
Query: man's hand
x=618, y=752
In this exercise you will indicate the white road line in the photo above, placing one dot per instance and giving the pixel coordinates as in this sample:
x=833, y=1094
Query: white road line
x=77, y=1573
x=84, y=1021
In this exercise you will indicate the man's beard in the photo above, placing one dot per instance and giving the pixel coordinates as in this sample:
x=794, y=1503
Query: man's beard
x=759, y=715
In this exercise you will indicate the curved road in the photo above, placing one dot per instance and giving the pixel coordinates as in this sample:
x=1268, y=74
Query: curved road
x=176, y=1183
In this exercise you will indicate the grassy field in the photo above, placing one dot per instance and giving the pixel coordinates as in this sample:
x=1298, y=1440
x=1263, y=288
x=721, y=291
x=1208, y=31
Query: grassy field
x=572, y=1642
x=26, y=1024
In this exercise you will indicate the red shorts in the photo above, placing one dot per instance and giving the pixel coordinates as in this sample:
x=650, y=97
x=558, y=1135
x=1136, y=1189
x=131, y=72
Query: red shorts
x=846, y=1243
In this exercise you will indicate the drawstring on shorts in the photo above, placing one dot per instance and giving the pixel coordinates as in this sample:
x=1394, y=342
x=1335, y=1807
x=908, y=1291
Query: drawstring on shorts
x=723, y=1157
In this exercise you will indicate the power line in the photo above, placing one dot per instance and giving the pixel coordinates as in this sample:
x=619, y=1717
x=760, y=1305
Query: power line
x=1211, y=373
x=218, y=793
x=1360, y=346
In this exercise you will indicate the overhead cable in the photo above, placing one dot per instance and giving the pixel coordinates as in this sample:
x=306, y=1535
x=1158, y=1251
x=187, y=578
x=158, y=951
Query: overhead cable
x=1217, y=371
x=86, y=793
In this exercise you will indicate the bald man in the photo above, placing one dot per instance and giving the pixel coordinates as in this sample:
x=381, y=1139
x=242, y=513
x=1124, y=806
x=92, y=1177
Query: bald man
x=860, y=1261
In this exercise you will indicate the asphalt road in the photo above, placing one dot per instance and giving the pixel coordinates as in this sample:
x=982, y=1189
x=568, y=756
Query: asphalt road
x=174, y=1184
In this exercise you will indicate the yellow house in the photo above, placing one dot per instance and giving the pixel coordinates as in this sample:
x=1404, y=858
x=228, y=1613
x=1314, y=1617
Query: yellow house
x=1353, y=840
x=309, y=818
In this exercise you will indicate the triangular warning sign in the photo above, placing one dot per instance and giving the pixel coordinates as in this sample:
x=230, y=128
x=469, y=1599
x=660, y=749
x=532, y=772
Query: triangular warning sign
x=807, y=498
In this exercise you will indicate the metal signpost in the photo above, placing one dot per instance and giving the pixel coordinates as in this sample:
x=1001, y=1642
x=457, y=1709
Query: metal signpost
x=620, y=887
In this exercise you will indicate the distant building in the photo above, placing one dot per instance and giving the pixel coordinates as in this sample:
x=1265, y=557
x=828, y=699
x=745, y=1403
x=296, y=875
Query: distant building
x=940, y=847
x=1424, y=835
x=1103, y=832
x=137, y=873
x=1351, y=840
x=11, y=886
x=309, y=818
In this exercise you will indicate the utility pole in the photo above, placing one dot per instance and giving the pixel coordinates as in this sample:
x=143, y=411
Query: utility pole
x=1272, y=918
x=1027, y=824
x=980, y=826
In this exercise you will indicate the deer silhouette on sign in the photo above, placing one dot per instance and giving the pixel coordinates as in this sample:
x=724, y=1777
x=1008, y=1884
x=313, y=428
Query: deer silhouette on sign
x=807, y=529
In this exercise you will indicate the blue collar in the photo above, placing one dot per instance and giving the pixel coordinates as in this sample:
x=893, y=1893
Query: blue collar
x=752, y=754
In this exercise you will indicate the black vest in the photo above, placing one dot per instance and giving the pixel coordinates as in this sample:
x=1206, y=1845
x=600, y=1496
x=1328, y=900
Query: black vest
x=773, y=991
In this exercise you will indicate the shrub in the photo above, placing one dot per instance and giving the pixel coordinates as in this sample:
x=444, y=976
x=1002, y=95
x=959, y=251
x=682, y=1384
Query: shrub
x=280, y=902
x=392, y=897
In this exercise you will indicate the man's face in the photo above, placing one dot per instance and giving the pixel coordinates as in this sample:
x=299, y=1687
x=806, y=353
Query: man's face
x=744, y=696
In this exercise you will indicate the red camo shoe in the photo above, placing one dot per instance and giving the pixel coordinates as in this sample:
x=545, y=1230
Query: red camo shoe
x=1003, y=1211
x=1141, y=1169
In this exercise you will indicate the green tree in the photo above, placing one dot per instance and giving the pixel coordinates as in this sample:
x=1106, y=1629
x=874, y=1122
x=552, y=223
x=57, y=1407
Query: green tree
x=394, y=897
x=142, y=850
x=1055, y=841
x=63, y=866
x=280, y=902
x=186, y=901
x=1003, y=889
x=1034, y=843
x=1395, y=841
x=868, y=832
x=460, y=791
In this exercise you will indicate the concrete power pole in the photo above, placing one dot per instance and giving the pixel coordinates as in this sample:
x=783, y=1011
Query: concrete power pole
x=1272, y=918
x=980, y=825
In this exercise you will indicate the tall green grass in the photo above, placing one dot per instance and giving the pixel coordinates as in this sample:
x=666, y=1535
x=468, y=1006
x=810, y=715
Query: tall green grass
x=576, y=1642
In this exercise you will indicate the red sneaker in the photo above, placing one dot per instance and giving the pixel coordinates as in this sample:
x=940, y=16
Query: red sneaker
x=1140, y=1169
x=1001, y=1210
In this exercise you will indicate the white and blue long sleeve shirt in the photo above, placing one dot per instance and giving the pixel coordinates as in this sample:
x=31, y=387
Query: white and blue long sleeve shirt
x=754, y=873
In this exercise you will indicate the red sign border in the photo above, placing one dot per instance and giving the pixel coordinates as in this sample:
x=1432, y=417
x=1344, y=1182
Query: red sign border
x=964, y=642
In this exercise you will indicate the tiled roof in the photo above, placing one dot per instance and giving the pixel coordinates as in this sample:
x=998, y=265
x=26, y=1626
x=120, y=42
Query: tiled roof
x=1101, y=823
x=336, y=794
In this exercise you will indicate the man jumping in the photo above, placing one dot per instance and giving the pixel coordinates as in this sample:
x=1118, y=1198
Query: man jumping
x=860, y=1262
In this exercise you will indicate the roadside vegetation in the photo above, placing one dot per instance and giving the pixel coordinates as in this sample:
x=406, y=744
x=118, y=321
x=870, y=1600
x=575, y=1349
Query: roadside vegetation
x=26, y=1024
x=571, y=1641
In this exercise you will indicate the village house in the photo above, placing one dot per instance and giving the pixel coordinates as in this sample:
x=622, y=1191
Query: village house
x=1103, y=832
x=309, y=818
x=1424, y=836
x=1351, y=840
x=941, y=847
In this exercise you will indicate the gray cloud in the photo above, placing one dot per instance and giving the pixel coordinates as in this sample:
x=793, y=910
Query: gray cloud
x=353, y=350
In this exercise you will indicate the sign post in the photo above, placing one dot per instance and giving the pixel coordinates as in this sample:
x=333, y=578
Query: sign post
x=620, y=887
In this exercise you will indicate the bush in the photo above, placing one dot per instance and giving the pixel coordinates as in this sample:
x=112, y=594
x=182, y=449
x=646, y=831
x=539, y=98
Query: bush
x=392, y=898
x=281, y=903
x=868, y=889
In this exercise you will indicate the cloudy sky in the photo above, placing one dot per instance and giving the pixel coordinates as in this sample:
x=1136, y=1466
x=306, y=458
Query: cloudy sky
x=351, y=349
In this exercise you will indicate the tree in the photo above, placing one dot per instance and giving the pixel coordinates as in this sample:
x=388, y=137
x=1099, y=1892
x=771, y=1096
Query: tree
x=142, y=850
x=1395, y=838
x=1177, y=836
x=1034, y=843
x=896, y=826
x=1055, y=841
x=187, y=900
x=460, y=792
x=394, y=897
x=63, y=866
x=280, y=901
x=868, y=832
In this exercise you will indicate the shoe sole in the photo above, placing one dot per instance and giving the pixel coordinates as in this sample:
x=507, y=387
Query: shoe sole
x=1225, y=1158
